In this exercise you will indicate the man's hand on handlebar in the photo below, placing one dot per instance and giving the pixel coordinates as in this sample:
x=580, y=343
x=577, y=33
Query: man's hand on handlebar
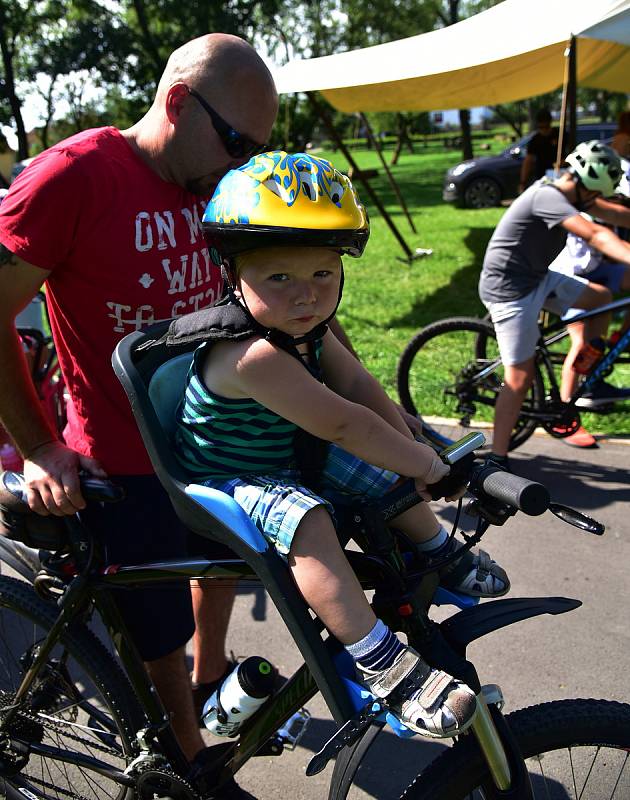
x=51, y=474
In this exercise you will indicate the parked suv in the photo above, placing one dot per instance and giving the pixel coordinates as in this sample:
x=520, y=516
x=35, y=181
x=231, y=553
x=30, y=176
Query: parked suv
x=486, y=181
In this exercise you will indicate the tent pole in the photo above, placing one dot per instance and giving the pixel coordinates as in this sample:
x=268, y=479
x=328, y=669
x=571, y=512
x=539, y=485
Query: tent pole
x=563, y=108
x=572, y=93
x=325, y=117
x=392, y=181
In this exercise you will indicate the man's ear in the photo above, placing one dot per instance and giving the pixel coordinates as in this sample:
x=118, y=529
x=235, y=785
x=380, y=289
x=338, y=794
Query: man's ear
x=176, y=97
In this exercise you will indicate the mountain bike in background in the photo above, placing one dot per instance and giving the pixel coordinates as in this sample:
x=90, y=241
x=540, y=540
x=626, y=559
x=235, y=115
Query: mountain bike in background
x=451, y=371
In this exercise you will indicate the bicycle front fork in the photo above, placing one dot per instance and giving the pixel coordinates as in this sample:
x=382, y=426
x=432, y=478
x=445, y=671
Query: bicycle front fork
x=500, y=750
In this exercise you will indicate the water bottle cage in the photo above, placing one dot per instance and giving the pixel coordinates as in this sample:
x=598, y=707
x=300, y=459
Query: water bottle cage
x=222, y=716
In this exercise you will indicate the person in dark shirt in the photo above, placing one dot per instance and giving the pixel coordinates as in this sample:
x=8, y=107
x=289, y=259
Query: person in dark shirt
x=541, y=150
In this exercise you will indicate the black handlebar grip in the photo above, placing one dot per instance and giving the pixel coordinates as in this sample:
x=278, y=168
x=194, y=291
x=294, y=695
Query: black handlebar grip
x=13, y=491
x=529, y=497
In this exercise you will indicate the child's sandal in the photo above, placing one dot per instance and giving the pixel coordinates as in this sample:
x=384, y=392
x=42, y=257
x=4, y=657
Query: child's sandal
x=477, y=575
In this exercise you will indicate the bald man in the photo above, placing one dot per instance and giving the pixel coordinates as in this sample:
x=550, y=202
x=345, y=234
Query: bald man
x=110, y=221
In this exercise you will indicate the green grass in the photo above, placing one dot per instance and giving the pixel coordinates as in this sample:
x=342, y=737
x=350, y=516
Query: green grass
x=386, y=301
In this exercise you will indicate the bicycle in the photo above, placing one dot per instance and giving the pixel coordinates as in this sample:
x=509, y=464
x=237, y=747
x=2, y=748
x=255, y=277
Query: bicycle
x=452, y=368
x=66, y=703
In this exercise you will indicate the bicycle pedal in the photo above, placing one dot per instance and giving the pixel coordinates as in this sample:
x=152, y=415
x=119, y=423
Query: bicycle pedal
x=346, y=735
x=294, y=729
x=288, y=736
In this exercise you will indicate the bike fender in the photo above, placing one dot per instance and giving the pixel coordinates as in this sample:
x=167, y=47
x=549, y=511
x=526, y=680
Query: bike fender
x=24, y=560
x=472, y=623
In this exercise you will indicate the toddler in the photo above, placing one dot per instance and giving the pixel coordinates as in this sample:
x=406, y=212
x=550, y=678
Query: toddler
x=262, y=394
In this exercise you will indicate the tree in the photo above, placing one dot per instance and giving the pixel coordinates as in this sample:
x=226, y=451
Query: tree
x=45, y=41
x=607, y=105
x=448, y=12
x=18, y=21
x=157, y=28
x=515, y=114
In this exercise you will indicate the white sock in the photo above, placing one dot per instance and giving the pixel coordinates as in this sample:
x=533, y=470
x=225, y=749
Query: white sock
x=435, y=542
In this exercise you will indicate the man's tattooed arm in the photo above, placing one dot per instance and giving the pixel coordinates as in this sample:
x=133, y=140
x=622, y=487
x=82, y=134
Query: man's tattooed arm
x=6, y=257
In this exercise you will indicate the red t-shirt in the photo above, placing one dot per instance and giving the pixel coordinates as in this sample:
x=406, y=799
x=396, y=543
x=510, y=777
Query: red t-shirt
x=125, y=249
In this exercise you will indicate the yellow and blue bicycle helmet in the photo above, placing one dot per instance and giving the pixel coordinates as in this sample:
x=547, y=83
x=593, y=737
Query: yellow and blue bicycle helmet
x=279, y=199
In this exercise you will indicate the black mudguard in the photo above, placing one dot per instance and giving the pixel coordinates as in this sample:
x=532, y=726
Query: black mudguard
x=24, y=560
x=472, y=623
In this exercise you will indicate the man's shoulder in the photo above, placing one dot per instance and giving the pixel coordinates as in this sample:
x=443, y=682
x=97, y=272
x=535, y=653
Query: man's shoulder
x=547, y=196
x=81, y=153
x=95, y=144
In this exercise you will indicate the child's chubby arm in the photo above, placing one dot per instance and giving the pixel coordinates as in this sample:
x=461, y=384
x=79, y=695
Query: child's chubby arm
x=261, y=370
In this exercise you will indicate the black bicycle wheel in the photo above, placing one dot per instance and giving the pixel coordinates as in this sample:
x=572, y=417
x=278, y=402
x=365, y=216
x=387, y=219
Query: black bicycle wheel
x=442, y=375
x=81, y=703
x=573, y=749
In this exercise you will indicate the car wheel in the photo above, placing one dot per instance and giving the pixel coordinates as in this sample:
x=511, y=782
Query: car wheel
x=482, y=193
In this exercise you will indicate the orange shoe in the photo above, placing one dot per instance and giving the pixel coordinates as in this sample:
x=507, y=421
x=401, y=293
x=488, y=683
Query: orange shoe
x=581, y=438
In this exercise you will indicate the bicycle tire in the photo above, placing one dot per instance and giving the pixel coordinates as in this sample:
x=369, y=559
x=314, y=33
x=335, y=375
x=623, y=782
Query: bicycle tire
x=99, y=720
x=544, y=730
x=441, y=385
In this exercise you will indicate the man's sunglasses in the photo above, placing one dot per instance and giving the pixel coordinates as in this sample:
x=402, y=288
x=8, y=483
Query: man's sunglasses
x=237, y=145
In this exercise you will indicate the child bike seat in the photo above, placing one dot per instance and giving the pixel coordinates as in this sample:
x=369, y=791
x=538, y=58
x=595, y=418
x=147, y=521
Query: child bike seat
x=153, y=377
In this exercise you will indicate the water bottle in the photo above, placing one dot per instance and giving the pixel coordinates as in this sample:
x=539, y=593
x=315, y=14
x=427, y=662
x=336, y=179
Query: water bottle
x=588, y=356
x=241, y=694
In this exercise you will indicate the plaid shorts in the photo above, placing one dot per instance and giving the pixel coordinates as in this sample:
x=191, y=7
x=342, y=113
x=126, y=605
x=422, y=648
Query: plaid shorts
x=277, y=503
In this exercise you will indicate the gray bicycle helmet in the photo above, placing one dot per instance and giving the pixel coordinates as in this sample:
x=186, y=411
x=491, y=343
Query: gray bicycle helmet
x=597, y=166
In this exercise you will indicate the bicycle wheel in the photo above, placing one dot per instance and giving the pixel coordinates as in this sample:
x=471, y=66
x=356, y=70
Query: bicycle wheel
x=451, y=373
x=573, y=749
x=81, y=703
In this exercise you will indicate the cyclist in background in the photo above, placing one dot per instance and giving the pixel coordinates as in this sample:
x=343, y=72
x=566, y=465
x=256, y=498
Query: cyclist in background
x=266, y=395
x=110, y=220
x=578, y=258
x=516, y=283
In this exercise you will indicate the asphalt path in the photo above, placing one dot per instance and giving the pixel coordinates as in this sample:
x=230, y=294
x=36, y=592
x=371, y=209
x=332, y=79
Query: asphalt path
x=584, y=653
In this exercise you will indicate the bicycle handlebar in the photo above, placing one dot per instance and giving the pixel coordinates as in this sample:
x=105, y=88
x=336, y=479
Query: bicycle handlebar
x=13, y=491
x=484, y=480
x=528, y=496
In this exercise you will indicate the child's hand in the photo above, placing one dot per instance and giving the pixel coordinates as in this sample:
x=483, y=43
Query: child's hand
x=437, y=469
x=454, y=484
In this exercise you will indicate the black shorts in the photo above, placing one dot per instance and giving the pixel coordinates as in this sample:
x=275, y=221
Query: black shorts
x=141, y=528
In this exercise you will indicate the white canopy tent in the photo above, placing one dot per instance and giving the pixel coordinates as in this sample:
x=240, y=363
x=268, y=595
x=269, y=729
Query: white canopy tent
x=509, y=52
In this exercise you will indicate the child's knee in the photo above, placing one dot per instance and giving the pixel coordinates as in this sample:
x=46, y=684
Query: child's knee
x=316, y=525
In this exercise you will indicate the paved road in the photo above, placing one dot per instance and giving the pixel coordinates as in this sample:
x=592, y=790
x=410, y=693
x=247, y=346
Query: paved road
x=585, y=653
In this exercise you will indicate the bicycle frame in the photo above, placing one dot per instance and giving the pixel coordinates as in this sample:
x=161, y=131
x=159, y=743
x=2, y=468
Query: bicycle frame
x=86, y=592
x=604, y=365
x=549, y=335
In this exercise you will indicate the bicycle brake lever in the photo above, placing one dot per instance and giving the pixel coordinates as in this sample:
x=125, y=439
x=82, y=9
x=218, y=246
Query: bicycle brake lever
x=577, y=519
x=347, y=734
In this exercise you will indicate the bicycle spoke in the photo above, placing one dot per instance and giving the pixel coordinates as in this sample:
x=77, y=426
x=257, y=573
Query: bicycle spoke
x=579, y=772
x=452, y=373
x=64, y=709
